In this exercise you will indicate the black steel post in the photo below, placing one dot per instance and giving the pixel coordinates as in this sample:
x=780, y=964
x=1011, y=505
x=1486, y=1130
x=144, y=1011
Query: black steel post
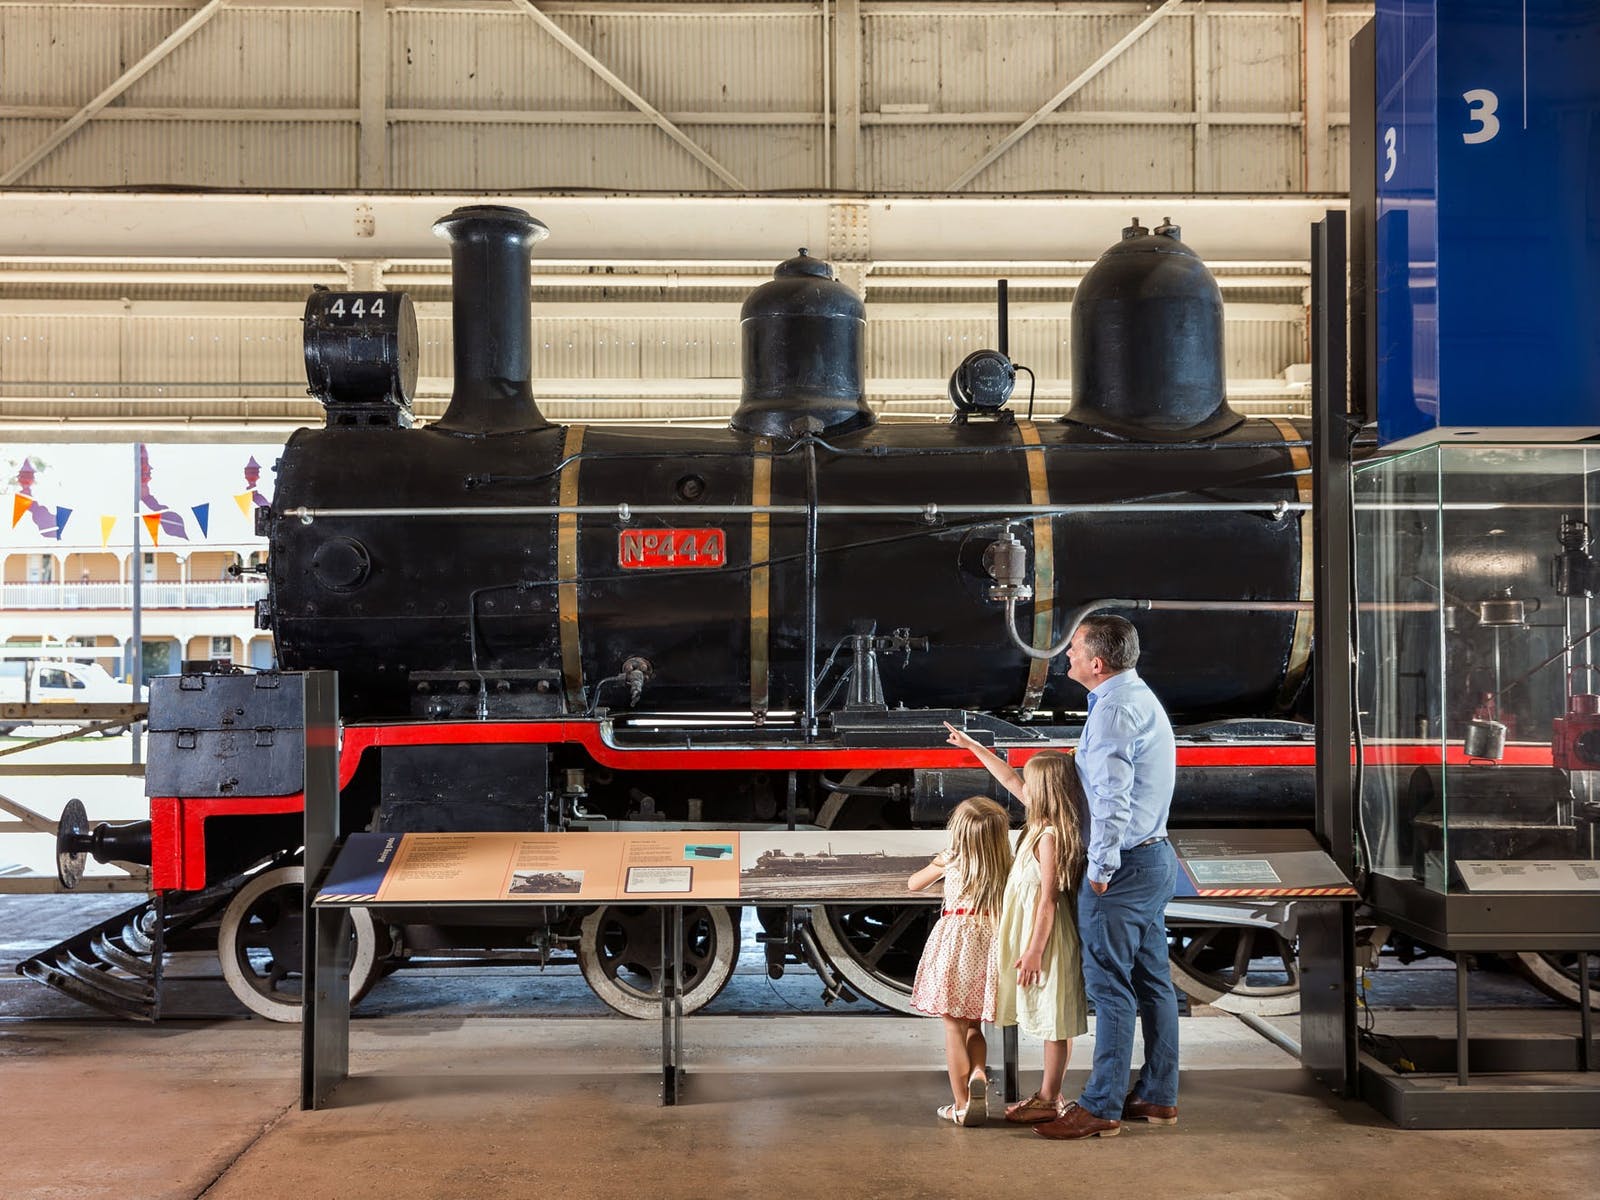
x=325, y=971
x=1013, y=1082
x=1585, y=1015
x=1328, y=1015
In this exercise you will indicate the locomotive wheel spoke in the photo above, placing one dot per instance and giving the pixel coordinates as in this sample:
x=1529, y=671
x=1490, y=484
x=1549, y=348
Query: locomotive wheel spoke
x=259, y=945
x=1198, y=945
x=1244, y=950
x=1211, y=964
x=890, y=936
x=619, y=953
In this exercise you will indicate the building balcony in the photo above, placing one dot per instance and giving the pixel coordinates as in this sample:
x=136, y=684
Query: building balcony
x=228, y=593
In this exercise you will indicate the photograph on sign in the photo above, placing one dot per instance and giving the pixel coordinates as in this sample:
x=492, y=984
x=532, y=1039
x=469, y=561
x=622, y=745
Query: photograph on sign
x=805, y=862
x=545, y=883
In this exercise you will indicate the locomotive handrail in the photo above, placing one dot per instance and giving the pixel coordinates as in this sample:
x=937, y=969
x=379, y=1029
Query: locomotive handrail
x=1275, y=508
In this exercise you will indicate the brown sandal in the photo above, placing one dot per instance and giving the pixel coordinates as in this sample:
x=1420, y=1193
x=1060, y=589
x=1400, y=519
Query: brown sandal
x=1032, y=1111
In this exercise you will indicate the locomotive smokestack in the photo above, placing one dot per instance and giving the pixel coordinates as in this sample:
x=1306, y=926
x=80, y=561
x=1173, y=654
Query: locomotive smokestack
x=492, y=317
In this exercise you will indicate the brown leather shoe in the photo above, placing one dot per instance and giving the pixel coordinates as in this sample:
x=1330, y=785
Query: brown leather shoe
x=1033, y=1111
x=1135, y=1109
x=1078, y=1122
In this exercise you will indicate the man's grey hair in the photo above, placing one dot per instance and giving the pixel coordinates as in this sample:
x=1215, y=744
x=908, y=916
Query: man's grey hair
x=1113, y=639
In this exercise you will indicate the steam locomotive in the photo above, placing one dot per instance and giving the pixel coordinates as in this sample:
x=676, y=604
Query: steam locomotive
x=539, y=626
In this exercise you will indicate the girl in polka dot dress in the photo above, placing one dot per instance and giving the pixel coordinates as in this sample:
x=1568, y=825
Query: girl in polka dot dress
x=957, y=977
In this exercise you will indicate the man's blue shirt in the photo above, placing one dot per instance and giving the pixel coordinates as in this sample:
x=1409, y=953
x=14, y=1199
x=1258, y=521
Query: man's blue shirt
x=1128, y=762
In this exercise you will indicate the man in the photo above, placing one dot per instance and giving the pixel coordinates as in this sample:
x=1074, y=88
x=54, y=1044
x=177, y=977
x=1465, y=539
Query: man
x=1128, y=761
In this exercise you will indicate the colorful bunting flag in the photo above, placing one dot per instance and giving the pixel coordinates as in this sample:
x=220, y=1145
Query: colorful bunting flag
x=164, y=523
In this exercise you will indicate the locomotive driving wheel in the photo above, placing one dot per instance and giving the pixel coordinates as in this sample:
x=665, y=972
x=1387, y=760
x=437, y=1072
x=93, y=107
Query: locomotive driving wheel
x=1556, y=975
x=619, y=952
x=261, y=941
x=874, y=947
x=1237, y=968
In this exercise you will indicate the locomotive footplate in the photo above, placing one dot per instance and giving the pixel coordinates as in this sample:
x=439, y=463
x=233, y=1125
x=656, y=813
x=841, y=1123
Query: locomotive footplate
x=918, y=727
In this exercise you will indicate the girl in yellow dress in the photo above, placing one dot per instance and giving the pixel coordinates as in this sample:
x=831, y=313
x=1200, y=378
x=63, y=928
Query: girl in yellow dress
x=957, y=977
x=1040, y=985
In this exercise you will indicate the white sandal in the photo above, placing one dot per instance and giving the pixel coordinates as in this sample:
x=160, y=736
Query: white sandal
x=949, y=1112
x=977, y=1109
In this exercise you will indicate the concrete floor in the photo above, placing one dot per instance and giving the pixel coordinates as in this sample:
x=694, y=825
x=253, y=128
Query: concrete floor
x=794, y=1106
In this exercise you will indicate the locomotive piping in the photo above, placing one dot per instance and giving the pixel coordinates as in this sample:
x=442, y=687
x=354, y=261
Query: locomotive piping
x=1075, y=616
x=810, y=725
x=1300, y=643
x=1276, y=509
x=486, y=480
x=1044, y=564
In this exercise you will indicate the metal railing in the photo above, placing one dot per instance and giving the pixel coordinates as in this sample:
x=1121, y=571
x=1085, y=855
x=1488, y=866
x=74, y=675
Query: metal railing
x=224, y=593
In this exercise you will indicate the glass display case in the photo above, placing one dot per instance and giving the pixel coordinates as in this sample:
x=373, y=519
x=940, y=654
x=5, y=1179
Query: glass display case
x=1477, y=676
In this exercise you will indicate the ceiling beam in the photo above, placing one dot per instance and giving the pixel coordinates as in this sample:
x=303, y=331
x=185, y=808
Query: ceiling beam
x=611, y=79
x=1065, y=94
x=909, y=231
x=117, y=86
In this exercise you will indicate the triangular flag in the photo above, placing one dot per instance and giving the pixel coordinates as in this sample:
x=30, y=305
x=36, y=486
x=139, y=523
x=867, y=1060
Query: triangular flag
x=20, y=505
x=242, y=500
x=61, y=520
x=107, y=524
x=202, y=514
x=152, y=522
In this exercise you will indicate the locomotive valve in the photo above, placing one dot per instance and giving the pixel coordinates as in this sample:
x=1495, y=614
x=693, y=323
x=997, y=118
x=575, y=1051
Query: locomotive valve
x=1006, y=560
x=634, y=673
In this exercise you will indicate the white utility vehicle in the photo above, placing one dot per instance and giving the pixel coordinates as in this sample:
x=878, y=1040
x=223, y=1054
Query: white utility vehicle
x=46, y=681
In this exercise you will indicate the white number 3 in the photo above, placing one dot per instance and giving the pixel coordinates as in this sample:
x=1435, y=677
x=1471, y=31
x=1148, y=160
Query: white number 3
x=1388, y=150
x=1481, y=105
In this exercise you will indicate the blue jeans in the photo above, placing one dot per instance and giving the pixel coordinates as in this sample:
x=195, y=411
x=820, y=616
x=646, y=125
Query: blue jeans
x=1125, y=972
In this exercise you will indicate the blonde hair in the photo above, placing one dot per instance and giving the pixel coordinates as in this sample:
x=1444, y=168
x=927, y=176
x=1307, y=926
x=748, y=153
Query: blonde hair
x=1055, y=804
x=980, y=853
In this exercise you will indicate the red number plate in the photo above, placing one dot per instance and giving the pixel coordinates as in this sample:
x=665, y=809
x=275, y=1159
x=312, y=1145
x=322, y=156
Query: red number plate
x=651, y=549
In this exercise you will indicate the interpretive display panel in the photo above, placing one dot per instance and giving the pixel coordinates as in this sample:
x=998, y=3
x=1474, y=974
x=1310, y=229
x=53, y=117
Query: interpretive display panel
x=1251, y=863
x=780, y=866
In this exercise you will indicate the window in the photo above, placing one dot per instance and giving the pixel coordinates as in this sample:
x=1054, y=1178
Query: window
x=222, y=649
x=55, y=677
x=149, y=567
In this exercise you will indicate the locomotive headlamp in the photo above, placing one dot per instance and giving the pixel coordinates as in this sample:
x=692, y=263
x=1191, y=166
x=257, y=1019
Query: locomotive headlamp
x=1006, y=560
x=361, y=356
x=983, y=382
